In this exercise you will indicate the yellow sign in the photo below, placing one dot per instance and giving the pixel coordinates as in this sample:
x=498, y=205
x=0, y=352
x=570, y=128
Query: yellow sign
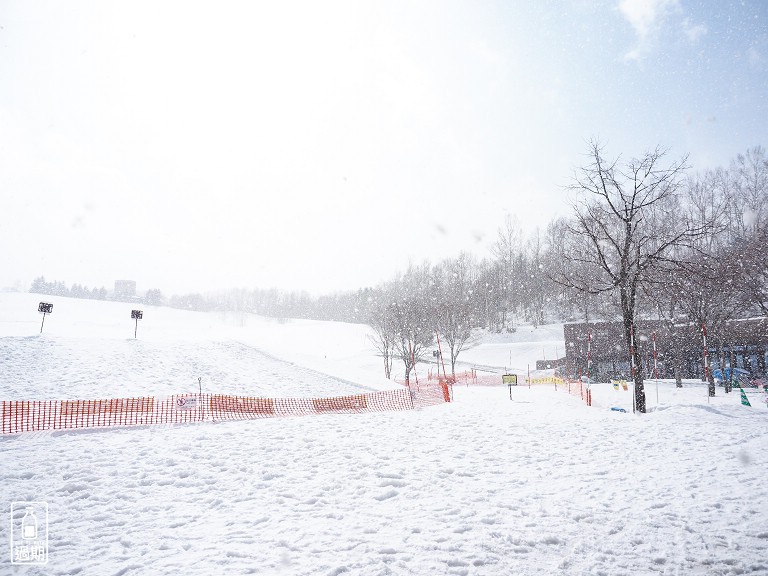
x=547, y=380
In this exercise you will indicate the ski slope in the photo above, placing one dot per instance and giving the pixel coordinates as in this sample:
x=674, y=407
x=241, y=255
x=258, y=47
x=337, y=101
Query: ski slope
x=486, y=485
x=88, y=350
x=516, y=352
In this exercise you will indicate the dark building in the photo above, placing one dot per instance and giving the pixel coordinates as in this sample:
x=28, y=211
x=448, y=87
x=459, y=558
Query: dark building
x=738, y=343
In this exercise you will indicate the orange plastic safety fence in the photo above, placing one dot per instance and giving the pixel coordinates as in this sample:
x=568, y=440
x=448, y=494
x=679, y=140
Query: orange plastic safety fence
x=577, y=388
x=468, y=377
x=35, y=415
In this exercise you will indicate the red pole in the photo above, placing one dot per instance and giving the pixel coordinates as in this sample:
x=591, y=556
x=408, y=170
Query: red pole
x=589, y=365
x=445, y=376
x=655, y=368
x=706, y=353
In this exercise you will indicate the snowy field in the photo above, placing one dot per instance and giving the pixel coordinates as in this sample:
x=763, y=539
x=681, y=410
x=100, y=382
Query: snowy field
x=515, y=352
x=539, y=484
x=88, y=350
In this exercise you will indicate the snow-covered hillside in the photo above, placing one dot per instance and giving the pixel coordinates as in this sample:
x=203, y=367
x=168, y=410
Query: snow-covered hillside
x=88, y=350
x=517, y=351
x=233, y=353
x=486, y=485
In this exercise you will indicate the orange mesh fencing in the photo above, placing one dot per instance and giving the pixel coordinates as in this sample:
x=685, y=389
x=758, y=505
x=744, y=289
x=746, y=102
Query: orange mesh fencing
x=235, y=406
x=357, y=403
x=465, y=378
x=18, y=416
x=576, y=388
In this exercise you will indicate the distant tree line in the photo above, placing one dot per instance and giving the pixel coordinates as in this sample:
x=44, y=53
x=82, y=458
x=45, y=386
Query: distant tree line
x=59, y=288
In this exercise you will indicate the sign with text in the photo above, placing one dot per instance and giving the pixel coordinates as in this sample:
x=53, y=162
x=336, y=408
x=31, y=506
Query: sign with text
x=186, y=403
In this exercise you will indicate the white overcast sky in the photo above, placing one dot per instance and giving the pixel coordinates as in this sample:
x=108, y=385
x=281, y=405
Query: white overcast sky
x=193, y=146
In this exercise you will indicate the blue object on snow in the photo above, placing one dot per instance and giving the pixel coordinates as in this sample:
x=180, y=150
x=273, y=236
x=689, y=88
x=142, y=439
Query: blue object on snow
x=717, y=374
x=615, y=409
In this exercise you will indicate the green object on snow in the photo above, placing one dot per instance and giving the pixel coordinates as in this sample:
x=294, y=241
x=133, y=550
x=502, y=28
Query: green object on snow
x=744, y=399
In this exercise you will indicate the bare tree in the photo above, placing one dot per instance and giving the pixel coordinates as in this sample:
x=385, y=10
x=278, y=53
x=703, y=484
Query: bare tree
x=706, y=282
x=626, y=223
x=486, y=295
x=754, y=270
x=411, y=311
x=413, y=336
x=384, y=334
x=664, y=297
x=508, y=252
x=535, y=286
x=707, y=295
x=749, y=225
x=453, y=311
x=749, y=173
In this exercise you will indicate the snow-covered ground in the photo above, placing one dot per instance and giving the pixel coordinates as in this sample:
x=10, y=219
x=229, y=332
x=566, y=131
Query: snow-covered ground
x=516, y=352
x=539, y=484
x=87, y=350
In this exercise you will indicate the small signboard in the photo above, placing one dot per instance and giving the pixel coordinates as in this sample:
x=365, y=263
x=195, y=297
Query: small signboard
x=186, y=403
x=44, y=308
x=510, y=380
x=136, y=315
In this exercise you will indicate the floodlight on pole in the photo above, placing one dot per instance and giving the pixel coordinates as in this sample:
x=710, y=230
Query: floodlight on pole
x=44, y=308
x=137, y=315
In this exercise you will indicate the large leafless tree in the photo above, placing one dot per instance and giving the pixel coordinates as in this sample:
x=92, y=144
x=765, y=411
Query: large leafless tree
x=625, y=224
